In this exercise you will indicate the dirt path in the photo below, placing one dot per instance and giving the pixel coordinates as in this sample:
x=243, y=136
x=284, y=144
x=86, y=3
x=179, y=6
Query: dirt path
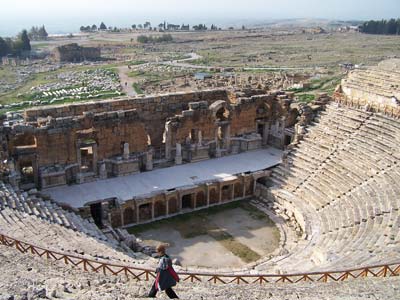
x=126, y=81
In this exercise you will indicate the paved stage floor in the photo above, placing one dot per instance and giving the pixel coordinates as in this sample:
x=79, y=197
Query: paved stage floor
x=127, y=187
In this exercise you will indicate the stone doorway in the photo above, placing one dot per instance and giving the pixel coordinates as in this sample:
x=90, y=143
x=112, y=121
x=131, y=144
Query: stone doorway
x=260, y=129
x=96, y=211
x=87, y=158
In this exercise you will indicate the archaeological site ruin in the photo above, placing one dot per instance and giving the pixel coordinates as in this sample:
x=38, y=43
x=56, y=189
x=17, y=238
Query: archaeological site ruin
x=75, y=176
x=75, y=53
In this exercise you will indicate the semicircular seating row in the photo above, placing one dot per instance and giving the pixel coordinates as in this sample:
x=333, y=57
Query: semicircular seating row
x=43, y=223
x=342, y=184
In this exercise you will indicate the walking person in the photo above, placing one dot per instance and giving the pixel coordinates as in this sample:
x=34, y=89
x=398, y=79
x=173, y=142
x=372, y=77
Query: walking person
x=166, y=275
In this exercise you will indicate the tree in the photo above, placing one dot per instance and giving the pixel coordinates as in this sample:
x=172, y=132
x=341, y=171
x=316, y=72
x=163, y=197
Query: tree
x=94, y=27
x=200, y=27
x=26, y=43
x=4, y=48
x=42, y=33
x=381, y=27
x=140, y=26
x=103, y=26
x=134, y=26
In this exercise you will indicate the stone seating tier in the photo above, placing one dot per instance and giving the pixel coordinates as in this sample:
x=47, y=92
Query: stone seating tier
x=342, y=183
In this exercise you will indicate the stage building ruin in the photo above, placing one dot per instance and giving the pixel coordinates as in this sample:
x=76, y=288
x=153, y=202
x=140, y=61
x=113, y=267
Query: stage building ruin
x=50, y=148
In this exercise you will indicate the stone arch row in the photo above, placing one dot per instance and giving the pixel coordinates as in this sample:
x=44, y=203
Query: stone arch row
x=171, y=203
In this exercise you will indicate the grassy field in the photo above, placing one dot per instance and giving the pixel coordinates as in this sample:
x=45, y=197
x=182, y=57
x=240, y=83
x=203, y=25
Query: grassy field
x=269, y=48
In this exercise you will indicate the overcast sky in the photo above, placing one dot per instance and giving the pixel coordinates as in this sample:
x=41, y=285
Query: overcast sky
x=65, y=14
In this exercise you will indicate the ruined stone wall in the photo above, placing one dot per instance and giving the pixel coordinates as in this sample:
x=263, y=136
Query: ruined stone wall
x=245, y=113
x=76, y=53
x=56, y=142
x=161, y=104
x=201, y=121
x=154, y=111
x=96, y=140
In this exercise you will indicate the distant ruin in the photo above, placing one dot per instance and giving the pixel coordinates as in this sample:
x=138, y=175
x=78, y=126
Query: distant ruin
x=75, y=53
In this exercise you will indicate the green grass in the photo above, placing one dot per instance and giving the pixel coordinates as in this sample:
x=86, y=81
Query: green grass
x=306, y=97
x=136, y=62
x=232, y=245
x=137, y=88
x=135, y=73
x=7, y=74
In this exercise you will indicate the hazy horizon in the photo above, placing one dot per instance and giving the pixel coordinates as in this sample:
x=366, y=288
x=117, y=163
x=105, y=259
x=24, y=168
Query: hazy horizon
x=67, y=16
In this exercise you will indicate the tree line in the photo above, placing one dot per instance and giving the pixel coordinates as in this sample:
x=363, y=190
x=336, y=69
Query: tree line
x=164, y=26
x=38, y=33
x=391, y=27
x=144, y=39
x=17, y=46
x=93, y=27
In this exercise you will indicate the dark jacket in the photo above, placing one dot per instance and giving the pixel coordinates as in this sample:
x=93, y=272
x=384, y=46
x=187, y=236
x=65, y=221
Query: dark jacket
x=164, y=278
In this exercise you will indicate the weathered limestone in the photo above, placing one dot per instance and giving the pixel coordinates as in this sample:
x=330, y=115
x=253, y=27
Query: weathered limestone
x=376, y=88
x=334, y=188
x=126, y=151
x=68, y=144
x=178, y=154
x=75, y=53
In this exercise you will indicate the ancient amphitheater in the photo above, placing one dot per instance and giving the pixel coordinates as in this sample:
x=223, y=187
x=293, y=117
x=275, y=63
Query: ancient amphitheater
x=328, y=175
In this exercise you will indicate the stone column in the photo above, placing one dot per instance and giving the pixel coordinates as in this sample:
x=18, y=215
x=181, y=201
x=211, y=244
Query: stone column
x=152, y=209
x=178, y=155
x=254, y=185
x=219, y=193
x=167, y=206
x=168, y=140
x=200, y=138
x=265, y=134
x=179, y=199
x=13, y=178
x=78, y=156
x=233, y=192
x=122, y=216
x=227, y=137
x=208, y=194
x=244, y=185
x=103, y=171
x=126, y=151
x=217, y=149
x=94, y=147
x=149, y=160
x=137, y=213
